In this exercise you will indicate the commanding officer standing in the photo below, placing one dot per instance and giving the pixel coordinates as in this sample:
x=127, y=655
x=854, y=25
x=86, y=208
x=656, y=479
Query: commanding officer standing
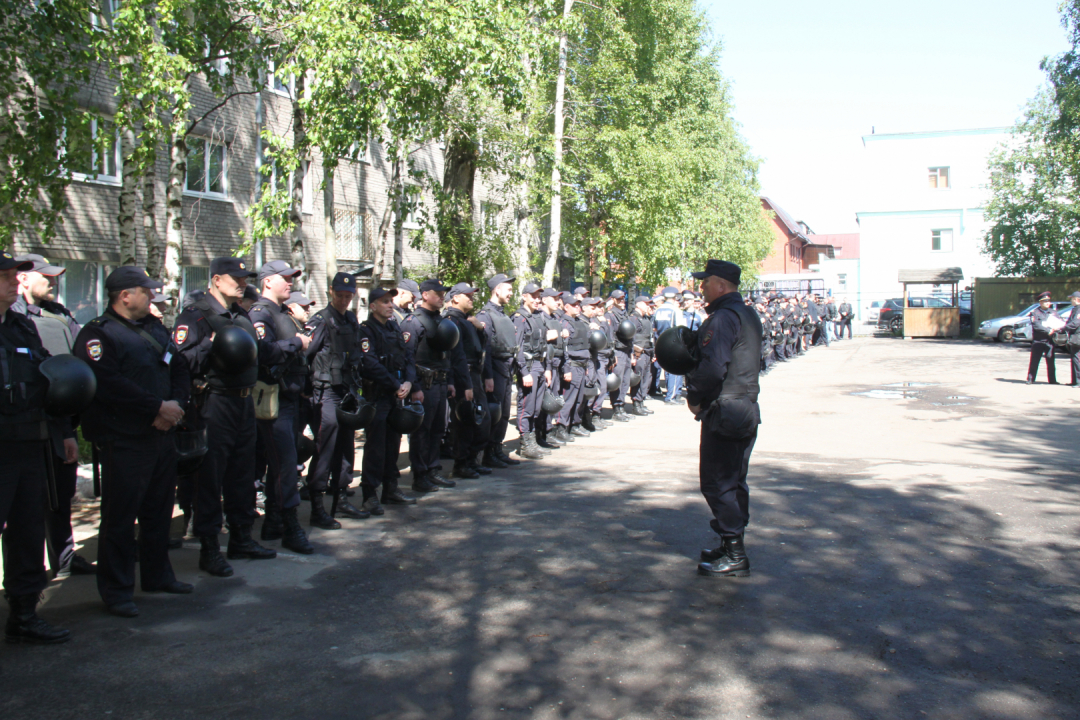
x=1040, y=341
x=502, y=347
x=389, y=377
x=470, y=439
x=142, y=388
x=530, y=332
x=334, y=354
x=643, y=352
x=623, y=351
x=24, y=442
x=273, y=324
x=226, y=409
x=722, y=393
x=57, y=330
x=576, y=365
x=433, y=370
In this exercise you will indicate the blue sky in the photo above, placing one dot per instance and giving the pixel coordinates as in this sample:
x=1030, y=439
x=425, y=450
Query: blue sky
x=808, y=80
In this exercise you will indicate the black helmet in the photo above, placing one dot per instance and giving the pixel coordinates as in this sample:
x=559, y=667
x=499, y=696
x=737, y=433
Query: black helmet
x=676, y=350
x=635, y=379
x=597, y=340
x=592, y=390
x=613, y=382
x=625, y=331
x=72, y=385
x=446, y=336
x=495, y=411
x=354, y=411
x=470, y=411
x=1059, y=338
x=405, y=418
x=305, y=449
x=234, y=351
x=552, y=403
x=190, y=448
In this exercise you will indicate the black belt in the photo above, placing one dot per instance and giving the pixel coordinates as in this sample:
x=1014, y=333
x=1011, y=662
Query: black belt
x=579, y=363
x=751, y=389
x=234, y=392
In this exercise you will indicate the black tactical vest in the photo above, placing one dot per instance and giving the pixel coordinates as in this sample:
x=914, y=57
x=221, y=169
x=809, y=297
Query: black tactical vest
x=214, y=377
x=330, y=363
x=579, y=338
x=425, y=355
x=742, y=374
x=642, y=331
x=470, y=340
x=140, y=362
x=22, y=386
x=532, y=340
x=504, y=338
x=389, y=345
x=294, y=374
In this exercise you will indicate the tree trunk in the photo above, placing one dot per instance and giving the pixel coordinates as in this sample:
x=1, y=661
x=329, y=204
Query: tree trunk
x=555, y=237
x=459, y=176
x=128, y=196
x=174, y=216
x=394, y=196
x=297, y=257
x=149, y=219
x=329, y=230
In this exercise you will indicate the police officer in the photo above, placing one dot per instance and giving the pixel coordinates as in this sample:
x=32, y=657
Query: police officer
x=667, y=316
x=623, y=352
x=576, y=367
x=407, y=292
x=602, y=363
x=222, y=381
x=502, y=348
x=142, y=388
x=1040, y=341
x=24, y=442
x=440, y=373
x=722, y=393
x=845, y=313
x=643, y=352
x=531, y=332
x=334, y=356
x=470, y=438
x=1072, y=328
x=57, y=329
x=555, y=354
x=389, y=377
x=288, y=380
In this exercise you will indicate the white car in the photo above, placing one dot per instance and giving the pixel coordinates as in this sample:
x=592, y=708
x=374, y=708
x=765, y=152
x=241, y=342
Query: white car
x=872, y=312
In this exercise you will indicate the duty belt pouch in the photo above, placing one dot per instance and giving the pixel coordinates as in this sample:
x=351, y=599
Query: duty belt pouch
x=427, y=377
x=735, y=417
x=266, y=400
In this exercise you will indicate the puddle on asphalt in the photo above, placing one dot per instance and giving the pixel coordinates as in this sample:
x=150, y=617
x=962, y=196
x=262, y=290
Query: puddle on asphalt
x=887, y=394
x=958, y=397
x=910, y=384
x=948, y=404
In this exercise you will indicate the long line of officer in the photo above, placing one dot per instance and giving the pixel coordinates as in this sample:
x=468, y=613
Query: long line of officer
x=791, y=325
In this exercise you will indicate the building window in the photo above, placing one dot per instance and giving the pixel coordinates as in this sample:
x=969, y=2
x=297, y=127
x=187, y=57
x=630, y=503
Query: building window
x=102, y=14
x=281, y=83
x=79, y=290
x=352, y=235
x=939, y=178
x=207, y=172
x=941, y=240
x=194, y=277
x=307, y=202
x=86, y=157
x=841, y=281
x=489, y=217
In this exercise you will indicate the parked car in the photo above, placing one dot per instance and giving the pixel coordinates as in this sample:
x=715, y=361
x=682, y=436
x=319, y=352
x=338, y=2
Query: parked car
x=1003, y=329
x=872, y=312
x=891, y=316
x=1023, y=329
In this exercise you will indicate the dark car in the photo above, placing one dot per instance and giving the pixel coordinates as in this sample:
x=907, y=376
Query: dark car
x=891, y=316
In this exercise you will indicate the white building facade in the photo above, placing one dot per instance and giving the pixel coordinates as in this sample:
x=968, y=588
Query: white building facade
x=923, y=200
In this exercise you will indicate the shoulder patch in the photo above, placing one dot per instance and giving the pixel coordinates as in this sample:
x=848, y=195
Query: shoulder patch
x=365, y=345
x=707, y=338
x=405, y=336
x=180, y=335
x=260, y=330
x=93, y=349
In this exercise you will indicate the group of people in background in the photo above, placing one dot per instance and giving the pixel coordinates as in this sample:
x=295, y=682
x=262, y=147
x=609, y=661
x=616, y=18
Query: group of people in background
x=793, y=323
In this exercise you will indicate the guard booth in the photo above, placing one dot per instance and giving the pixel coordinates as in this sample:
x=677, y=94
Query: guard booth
x=928, y=319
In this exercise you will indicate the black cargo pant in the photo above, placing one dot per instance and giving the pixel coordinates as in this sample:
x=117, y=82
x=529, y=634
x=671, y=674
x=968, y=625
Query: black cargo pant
x=530, y=399
x=624, y=370
x=501, y=373
x=381, y=448
x=335, y=446
x=424, y=443
x=470, y=438
x=573, y=393
x=138, y=482
x=722, y=471
x=22, y=515
x=644, y=367
x=279, y=445
x=227, y=475
x=600, y=365
x=1039, y=348
x=59, y=536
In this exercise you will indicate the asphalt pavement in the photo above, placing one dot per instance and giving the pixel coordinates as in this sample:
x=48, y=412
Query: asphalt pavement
x=914, y=538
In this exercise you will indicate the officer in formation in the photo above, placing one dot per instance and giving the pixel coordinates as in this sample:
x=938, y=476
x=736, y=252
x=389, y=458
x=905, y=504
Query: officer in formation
x=502, y=349
x=601, y=361
x=845, y=314
x=624, y=349
x=470, y=414
x=641, y=360
x=790, y=326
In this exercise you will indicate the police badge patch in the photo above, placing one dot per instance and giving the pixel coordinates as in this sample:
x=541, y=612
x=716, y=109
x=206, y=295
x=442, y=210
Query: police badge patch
x=180, y=335
x=365, y=345
x=705, y=340
x=260, y=330
x=93, y=349
x=405, y=336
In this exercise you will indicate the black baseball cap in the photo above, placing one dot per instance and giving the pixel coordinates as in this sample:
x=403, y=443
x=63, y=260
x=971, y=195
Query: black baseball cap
x=496, y=280
x=130, y=276
x=8, y=262
x=299, y=298
x=722, y=269
x=592, y=301
x=549, y=292
x=530, y=288
x=581, y=290
x=1076, y=294
x=433, y=284
x=617, y=294
x=41, y=265
x=230, y=266
x=344, y=281
x=569, y=297
x=277, y=267
x=643, y=298
x=250, y=293
x=460, y=289
x=380, y=292
x=409, y=286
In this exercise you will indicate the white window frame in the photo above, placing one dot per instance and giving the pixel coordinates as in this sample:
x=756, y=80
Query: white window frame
x=936, y=172
x=271, y=82
x=100, y=178
x=936, y=234
x=360, y=152
x=221, y=65
x=104, y=21
x=307, y=187
x=224, y=195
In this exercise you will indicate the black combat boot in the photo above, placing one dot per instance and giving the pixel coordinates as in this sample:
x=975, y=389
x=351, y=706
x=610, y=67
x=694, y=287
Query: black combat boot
x=499, y=452
x=636, y=409
x=578, y=431
x=24, y=625
x=490, y=461
x=644, y=406
x=294, y=538
x=319, y=517
x=562, y=435
x=373, y=506
x=396, y=497
x=273, y=527
x=242, y=545
x=210, y=558
x=347, y=509
x=620, y=414
x=588, y=423
x=464, y=470
x=548, y=440
x=479, y=467
x=528, y=447
x=422, y=484
x=435, y=477
x=733, y=563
